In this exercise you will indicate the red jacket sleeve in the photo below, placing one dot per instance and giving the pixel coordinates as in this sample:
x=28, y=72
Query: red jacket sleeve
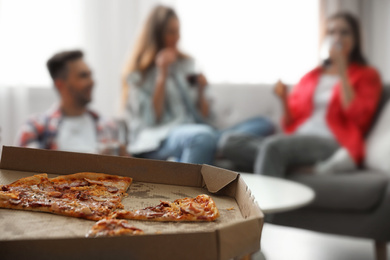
x=368, y=88
x=300, y=101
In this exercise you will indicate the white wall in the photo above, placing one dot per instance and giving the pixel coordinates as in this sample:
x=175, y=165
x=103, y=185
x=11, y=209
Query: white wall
x=376, y=24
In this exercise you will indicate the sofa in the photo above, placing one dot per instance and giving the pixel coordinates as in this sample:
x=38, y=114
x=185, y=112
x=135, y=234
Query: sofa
x=353, y=204
x=232, y=104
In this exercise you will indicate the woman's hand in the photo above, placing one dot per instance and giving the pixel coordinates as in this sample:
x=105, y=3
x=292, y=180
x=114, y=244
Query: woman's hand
x=165, y=58
x=281, y=90
x=337, y=56
x=201, y=82
x=203, y=103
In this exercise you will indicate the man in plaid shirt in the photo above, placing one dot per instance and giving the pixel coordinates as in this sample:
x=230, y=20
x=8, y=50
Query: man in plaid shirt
x=70, y=125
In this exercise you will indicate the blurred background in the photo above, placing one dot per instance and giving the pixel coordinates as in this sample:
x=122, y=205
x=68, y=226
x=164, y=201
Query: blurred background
x=251, y=42
x=235, y=43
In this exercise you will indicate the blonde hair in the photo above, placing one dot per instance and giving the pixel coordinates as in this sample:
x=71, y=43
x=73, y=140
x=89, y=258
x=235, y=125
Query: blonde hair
x=149, y=43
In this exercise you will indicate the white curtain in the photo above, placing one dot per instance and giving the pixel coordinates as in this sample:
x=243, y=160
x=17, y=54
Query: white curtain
x=13, y=109
x=111, y=28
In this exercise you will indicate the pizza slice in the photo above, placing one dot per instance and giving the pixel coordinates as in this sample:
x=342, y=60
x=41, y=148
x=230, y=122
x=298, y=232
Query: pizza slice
x=84, y=195
x=201, y=208
x=109, y=227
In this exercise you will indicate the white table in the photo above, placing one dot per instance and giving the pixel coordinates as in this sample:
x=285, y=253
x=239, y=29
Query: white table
x=277, y=195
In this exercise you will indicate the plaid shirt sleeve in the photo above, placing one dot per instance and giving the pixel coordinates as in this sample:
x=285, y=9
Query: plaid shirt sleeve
x=28, y=135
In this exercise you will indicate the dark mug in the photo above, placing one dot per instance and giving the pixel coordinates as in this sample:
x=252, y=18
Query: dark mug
x=192, y=79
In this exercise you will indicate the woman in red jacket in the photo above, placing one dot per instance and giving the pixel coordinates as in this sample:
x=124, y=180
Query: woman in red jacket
x=328, y=112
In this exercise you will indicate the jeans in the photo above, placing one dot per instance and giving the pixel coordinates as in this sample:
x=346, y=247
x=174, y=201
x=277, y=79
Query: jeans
x=197, y=143
x=239, y=144
x=257, y=127
x=192, y=143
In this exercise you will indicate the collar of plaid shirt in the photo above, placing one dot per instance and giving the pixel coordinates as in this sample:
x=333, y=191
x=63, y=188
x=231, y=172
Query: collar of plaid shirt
x=48, y=131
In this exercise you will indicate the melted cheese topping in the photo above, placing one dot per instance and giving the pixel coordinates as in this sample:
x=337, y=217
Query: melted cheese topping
x=77, y=198
x=201, y=208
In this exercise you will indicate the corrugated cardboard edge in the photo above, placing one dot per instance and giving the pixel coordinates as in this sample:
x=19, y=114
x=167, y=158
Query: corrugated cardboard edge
x=59, y=162
x=216, y=179
x=239, y=239
x=39, y=160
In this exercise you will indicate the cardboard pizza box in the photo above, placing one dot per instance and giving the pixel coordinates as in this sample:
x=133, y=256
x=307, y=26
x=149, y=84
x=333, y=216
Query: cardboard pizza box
x=27, y=234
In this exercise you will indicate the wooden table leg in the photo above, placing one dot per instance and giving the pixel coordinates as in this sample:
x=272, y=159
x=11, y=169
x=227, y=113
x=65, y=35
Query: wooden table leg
x=380, y=250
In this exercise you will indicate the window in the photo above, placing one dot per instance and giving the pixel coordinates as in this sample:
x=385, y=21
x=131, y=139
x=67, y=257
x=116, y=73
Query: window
x=250, y=41
x=235, y=41
x=32, y=31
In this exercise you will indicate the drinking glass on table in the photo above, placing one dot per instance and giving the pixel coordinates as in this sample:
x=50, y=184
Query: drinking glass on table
x=108, y=143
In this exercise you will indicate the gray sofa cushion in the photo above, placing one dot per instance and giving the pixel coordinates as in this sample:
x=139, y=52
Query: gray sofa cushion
x=378, y=144
x=385, y=97
x=358, y=191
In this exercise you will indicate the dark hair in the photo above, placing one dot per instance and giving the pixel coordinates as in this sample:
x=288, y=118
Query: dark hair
x=159, y=21
x=356, y=54
x=57, y=65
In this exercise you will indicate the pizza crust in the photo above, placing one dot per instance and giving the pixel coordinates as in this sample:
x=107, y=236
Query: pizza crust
x=122, y=183
x=31, y=180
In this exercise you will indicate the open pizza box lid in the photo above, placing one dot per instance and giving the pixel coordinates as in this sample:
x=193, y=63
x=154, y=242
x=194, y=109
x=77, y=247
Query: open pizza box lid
x=26, y=234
